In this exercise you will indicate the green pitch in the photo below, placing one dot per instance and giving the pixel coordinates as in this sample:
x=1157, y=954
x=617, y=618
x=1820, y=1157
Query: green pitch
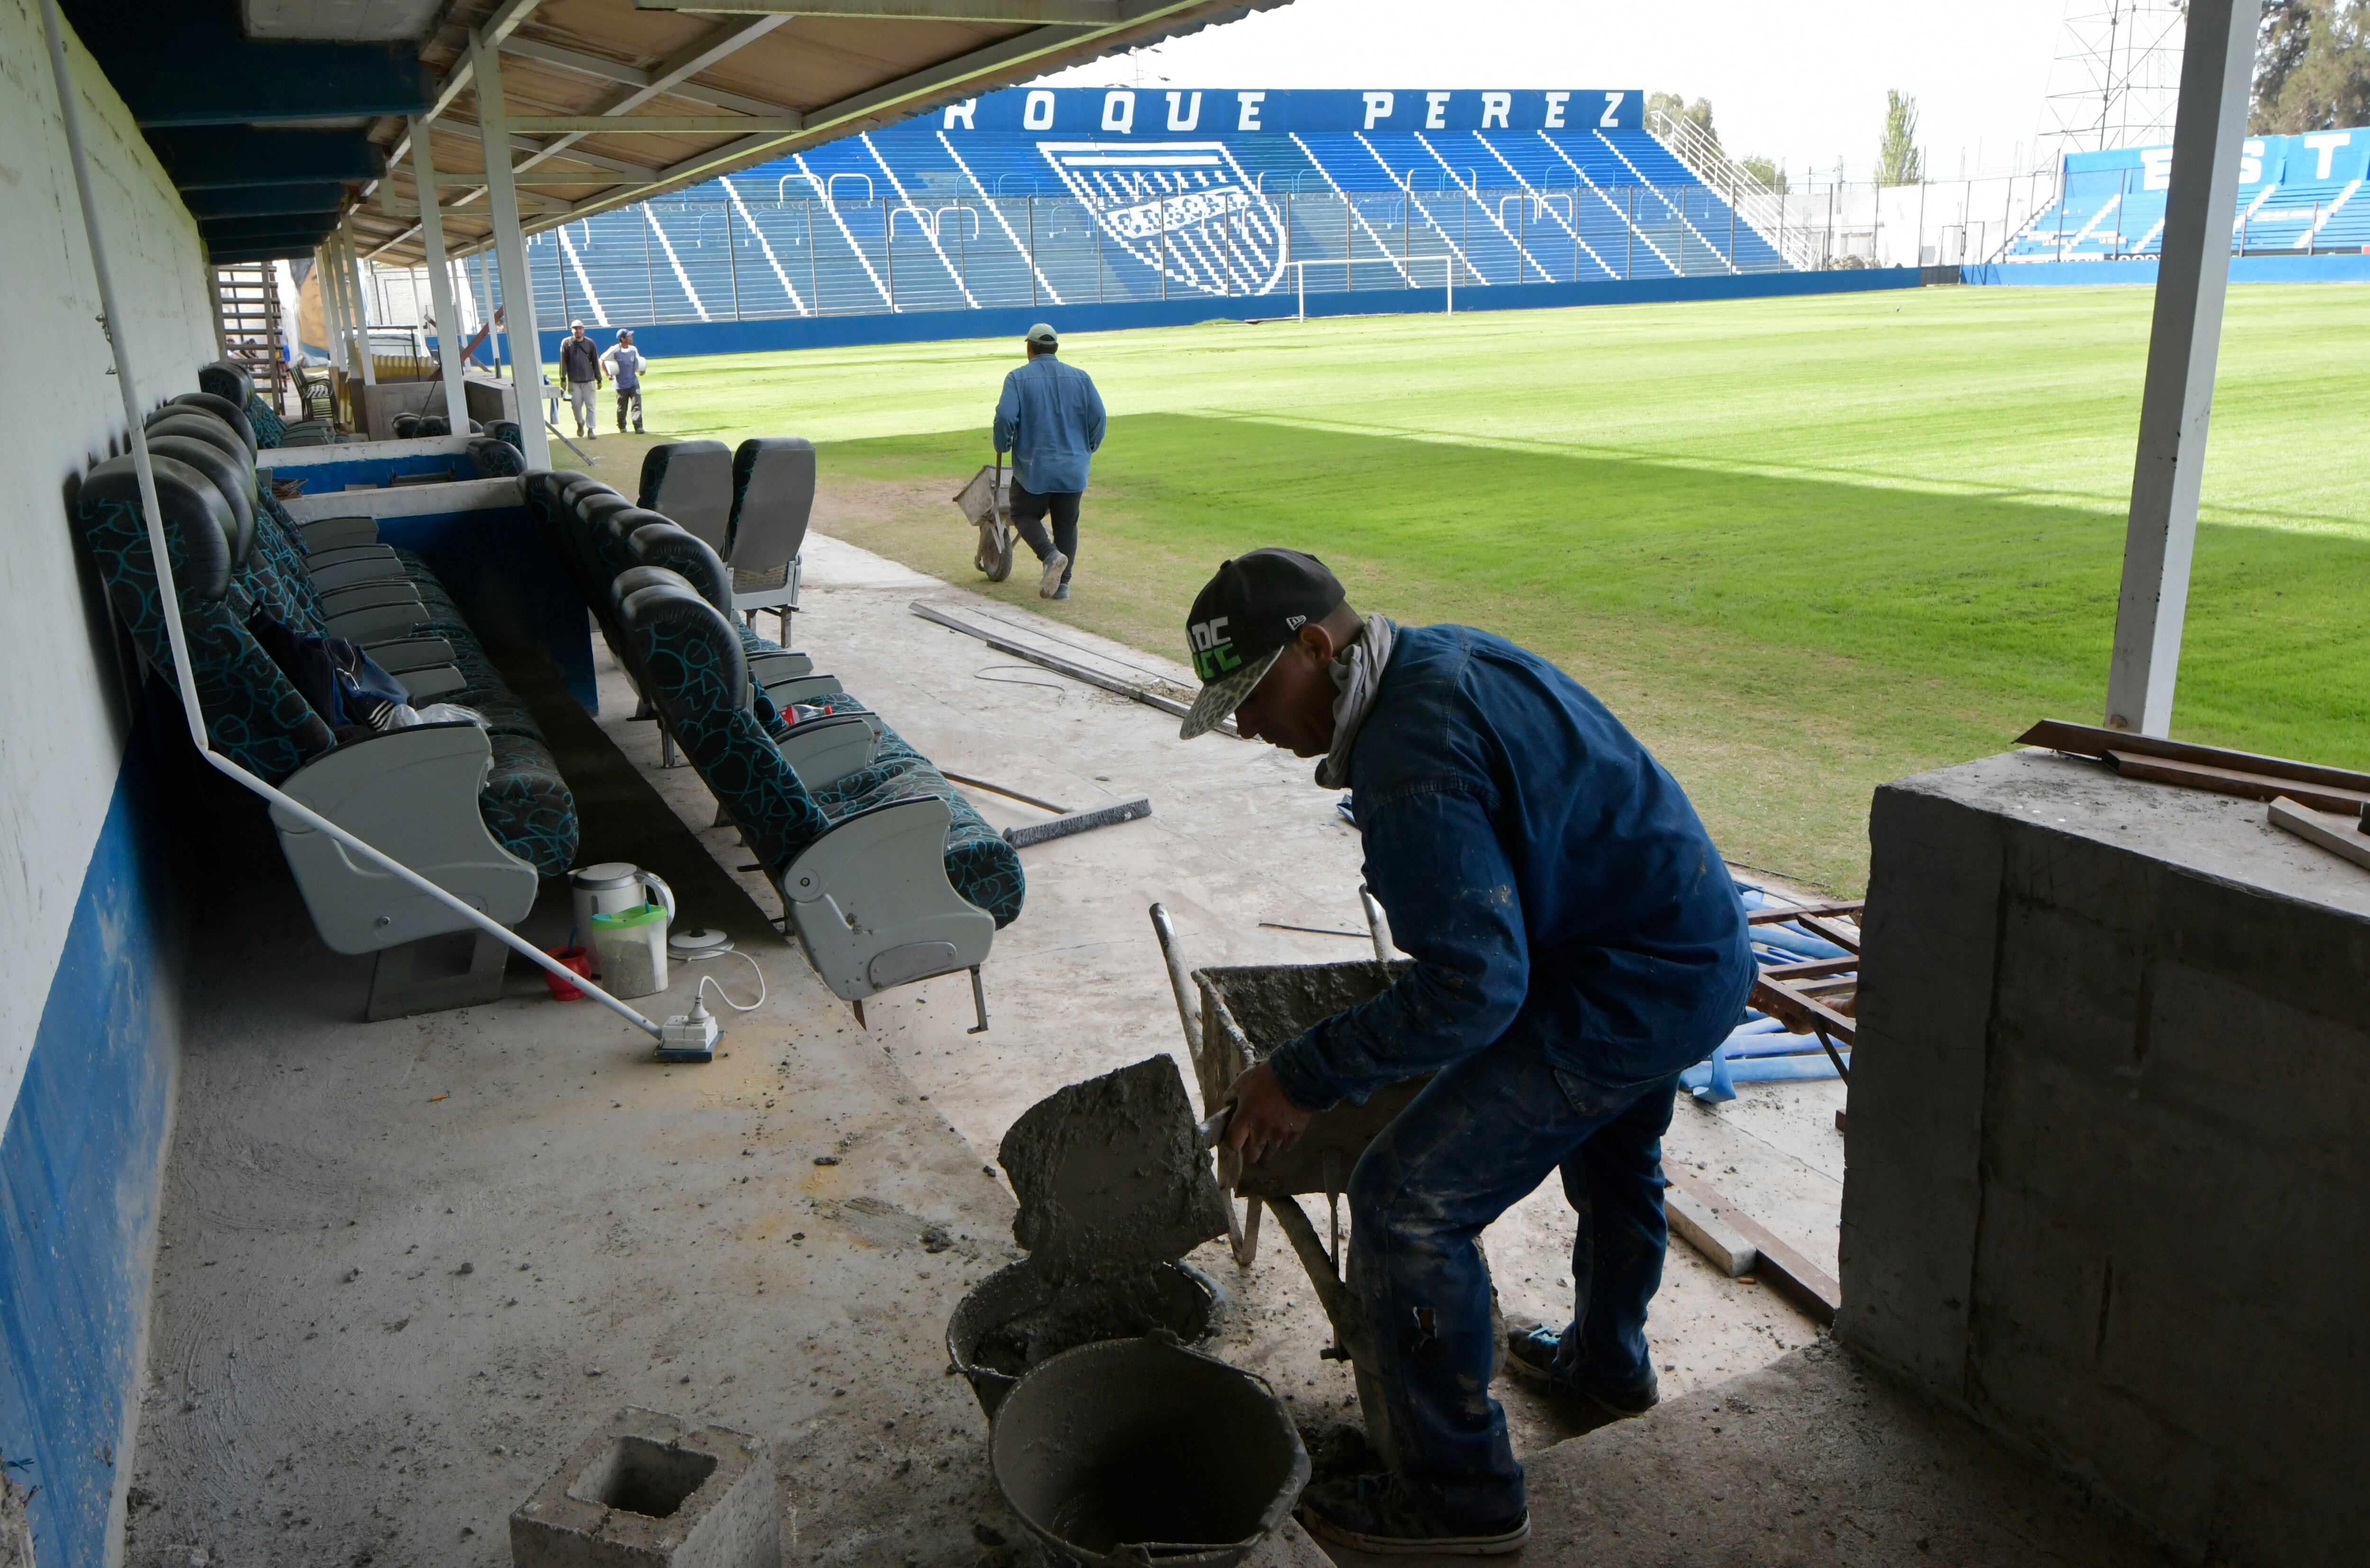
x=1802, y=547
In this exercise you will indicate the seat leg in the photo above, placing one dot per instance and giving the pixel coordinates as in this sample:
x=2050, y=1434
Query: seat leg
x=978, y=1002
x=723, y=817
x=666, y=747
x=459, y=969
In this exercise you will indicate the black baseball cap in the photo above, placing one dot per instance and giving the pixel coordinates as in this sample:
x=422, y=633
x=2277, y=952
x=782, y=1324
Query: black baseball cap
x=1242, y=622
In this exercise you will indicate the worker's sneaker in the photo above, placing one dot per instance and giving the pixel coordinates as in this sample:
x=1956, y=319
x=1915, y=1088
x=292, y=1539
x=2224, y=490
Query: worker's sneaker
x=1531, y=1354
x=1050, y=582
x=1376, y=1514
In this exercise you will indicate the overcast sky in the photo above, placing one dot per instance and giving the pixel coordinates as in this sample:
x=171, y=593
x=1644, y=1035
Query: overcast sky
x=1805, y=82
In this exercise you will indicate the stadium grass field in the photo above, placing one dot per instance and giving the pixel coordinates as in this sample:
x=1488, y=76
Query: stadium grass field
x=1801, y=546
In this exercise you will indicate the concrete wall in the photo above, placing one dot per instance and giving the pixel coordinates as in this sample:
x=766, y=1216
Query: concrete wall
x=88, y=1020
x=2107, y=1179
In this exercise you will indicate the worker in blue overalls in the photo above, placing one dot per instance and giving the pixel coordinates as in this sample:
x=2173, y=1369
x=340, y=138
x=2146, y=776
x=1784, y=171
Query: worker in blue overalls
x=1051, y=418
x=1578, y=943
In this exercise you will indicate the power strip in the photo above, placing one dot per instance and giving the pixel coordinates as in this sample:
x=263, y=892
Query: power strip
x=689, y=1037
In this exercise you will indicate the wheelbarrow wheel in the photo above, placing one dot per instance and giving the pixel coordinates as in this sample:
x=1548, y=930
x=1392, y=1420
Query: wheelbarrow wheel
x=995, y=539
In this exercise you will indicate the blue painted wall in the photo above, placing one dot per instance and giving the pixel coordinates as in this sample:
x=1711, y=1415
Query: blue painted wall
x=80, y=1163
x=499, y=570
x=688, y=339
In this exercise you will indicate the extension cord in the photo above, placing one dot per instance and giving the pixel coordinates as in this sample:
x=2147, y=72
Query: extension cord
x=689, y=1037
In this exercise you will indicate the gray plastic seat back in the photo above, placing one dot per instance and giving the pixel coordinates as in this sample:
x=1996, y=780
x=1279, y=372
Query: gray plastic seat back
x=773, y=496
x=690, y=482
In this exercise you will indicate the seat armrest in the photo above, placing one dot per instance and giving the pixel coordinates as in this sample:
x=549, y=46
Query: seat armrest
x=779, y=666
x=371, y=624
x=802, y=688
x=411, y=794
x=368, y=595
x=409, y=653
x=872, y=903
x=429, y=682
x=822, y=752
x=331, y=533
x=336, y=555
x=356, y=574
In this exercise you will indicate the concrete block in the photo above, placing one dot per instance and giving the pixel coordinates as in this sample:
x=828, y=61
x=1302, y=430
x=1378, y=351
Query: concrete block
x=648, y=1491
x=2106, y=1183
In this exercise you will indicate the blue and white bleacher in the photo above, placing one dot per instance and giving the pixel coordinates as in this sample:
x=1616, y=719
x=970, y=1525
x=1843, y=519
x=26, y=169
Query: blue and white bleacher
x=2296, y=194
x=1045, y=197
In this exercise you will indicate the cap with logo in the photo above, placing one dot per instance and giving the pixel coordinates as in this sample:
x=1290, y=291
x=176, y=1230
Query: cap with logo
x=1041, y=335
x=1242, y=622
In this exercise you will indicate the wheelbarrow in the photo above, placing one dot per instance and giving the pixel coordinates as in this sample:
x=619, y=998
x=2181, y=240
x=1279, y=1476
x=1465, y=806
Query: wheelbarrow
x=986, y=503
x=1233, y=1018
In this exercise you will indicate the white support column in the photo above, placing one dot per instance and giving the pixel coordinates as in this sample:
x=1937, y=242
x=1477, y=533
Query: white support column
x=440, y=279
x=518, y=292
x=332, y=324
x=2216, y=70
x=360, y=294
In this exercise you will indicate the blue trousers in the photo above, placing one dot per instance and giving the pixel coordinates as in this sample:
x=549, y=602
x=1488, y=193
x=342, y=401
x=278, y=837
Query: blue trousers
x=1481, y=1137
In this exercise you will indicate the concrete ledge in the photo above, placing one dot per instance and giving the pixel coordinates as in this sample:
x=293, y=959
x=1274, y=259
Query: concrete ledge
x=2106, y=1179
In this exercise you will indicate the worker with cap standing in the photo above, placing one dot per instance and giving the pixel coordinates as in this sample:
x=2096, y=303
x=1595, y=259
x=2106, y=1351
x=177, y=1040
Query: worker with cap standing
x=1051, y=418
x=1577, y=941
x=579, y=367
x=625, y=364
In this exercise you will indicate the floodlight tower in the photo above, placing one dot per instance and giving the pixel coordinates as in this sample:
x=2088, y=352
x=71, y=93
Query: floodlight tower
x=2116, y=80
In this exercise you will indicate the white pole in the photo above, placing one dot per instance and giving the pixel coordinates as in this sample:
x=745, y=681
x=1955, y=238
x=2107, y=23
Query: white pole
x=440, y=279
x=353, y=257
x=517, y=291
x=2216, y=66
x=170, y=598
x=333, y=316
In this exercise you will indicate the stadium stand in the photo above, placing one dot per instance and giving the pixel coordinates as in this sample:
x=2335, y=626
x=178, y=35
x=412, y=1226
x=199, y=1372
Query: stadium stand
x=1040, y=197
x=2297, y=195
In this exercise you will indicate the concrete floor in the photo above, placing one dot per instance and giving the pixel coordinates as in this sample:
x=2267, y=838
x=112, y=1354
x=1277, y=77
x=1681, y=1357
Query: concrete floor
x=407, y=1264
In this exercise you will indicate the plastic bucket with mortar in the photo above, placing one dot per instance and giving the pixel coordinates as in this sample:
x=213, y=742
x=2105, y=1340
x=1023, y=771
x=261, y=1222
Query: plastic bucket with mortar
x=1015, y=1319
x=1129, y=1451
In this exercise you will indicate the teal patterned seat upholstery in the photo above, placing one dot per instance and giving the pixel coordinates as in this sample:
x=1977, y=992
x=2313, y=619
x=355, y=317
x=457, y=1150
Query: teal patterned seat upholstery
x=695, y=669
x=254, y=715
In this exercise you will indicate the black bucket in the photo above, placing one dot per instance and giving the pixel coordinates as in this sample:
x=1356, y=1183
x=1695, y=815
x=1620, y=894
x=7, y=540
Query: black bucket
x=1136, y=1451
x=1014, y=1320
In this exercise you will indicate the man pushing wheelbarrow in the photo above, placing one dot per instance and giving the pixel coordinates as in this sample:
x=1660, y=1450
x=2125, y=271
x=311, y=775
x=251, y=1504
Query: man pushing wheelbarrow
x=1051, y=418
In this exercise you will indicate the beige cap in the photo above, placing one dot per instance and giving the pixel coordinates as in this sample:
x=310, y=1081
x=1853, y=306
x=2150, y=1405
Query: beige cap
x=1041, y=335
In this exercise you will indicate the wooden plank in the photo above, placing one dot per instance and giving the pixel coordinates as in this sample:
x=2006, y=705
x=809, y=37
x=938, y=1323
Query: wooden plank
x=2089, y=740
x=2232, y=782
x=1060, y=666
x=1805, y=969
x=1797, y=911
x=1805, y=1015
x=1694, y=1223
x=2339, y=837
x=1791, y=1274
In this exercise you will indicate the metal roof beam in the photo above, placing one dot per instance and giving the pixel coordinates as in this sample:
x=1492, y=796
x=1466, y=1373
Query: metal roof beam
x=1011, y=13
x=605, y=70
x=658, y=125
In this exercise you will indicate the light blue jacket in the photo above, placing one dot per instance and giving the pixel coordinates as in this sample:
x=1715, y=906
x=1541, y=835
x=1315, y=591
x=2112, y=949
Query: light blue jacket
x=1051, y=420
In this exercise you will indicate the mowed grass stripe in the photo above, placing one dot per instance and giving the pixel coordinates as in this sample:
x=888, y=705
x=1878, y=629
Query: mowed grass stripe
x=1802, y=547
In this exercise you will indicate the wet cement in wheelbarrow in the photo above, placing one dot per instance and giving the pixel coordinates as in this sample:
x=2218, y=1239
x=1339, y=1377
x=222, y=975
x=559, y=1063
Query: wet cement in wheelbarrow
x=1111, y=1176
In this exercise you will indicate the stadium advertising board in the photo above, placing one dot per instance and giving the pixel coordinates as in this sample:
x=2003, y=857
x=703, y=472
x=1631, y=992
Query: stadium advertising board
x=1215, y=111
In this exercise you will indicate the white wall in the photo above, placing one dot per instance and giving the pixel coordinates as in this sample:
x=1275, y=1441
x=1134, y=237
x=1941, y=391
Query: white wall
x=62, y=709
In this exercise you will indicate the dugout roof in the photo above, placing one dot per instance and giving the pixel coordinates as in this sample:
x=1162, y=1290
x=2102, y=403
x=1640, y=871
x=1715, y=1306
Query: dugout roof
x=275, y=117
